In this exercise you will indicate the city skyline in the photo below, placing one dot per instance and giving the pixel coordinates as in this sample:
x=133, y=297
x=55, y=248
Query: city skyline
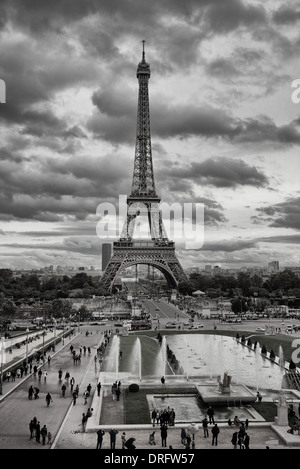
x=225, y=132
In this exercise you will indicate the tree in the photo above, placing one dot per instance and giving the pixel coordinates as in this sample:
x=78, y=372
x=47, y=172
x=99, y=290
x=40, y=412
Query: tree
x=8, y=308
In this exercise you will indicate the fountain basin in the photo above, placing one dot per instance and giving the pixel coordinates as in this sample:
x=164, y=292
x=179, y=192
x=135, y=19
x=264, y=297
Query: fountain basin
x=211, y=395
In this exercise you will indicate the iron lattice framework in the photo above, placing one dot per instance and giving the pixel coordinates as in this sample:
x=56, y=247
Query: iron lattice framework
x=143, y=201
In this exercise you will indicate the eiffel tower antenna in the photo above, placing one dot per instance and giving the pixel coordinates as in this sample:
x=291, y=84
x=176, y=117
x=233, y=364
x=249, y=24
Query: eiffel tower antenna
x=156, y=250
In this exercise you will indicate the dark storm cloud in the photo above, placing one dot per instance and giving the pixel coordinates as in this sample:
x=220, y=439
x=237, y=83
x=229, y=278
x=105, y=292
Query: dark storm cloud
x=287, y=15
x=283, y=215
x=82, y=245
x=219, y=172
x=225, y=16
x=116, y=121
x=231, y=245
x=222, y=67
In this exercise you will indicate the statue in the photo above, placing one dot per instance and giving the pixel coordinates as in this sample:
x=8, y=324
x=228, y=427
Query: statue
x=225, y=385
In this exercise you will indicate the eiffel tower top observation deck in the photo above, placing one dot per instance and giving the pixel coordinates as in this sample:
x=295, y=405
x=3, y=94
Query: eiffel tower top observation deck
x=143, y=186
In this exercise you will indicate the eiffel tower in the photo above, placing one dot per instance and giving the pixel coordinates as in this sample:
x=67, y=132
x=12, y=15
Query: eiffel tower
x=143, y=203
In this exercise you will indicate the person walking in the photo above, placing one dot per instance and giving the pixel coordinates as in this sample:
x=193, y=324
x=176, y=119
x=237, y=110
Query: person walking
x=74, y=397
x=31, y=428
x=38, y=432
x=123, y=440
x=98, y=388
x=113, y=435
x=85, y=396
x=44, y=433
x=83, y=422
x=215, y=432
x=72, y=382
x=118, y=393
x=45, y=376
x=152, y=438
x=30, y=393
x=63, y=390
x=36, y=393
x=49, y=438
x=153, y=417
x=100, y=434
x=48, y=399
x=183, y=436
x=234, y=440
x=205, y=426
x=211, y=413
x=246, y=441
x=163, y=381
x=164, y=434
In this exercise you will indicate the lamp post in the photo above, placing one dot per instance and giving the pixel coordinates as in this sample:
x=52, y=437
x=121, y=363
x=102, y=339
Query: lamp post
x=193, y=428
x=27, y=331
x=43, y=340
x=2, y=351
x=54, y=321
x=63, y=337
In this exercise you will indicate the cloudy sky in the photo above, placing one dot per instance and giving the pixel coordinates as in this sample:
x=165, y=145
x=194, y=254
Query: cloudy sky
x=225, y=132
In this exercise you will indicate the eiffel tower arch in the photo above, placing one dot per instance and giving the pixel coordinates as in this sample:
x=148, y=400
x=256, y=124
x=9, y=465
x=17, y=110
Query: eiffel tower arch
x=143, y=203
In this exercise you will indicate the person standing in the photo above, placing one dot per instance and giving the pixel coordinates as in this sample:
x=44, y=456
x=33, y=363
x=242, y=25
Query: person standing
x=30, y=392
x=211, y=413
x=49, y=436
x=163, y=381
x=246, y=441
x=164, y=434
x=118, y=392
x=113, y=435
x=205, y=426
x=153, y=416
x=48, y=399
x=215, y=432
x=83, y=422
x=38, y=432
x=31, y=428
x=85, y=396
x=44, y=432
x=100, y=434
x=99, y=388
x=234, y=440
x=183, y=436
x=123, y=439
x=72, y=382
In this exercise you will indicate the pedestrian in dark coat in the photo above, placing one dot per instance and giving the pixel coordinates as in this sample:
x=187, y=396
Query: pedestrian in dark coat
x=100, y=434
x=234, y=440
x=38, y=432
x=164, y=434
x=31, y=428
x=113, y=435
x=44, y=432
x=30, y=392
x=215, y=432
x=211, y=413
x=48, y=399
x=99, y=388
x=246, y=441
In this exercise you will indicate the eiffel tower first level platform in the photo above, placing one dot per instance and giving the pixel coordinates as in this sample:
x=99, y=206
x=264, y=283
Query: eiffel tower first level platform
x=143, y=205
x=153, y=253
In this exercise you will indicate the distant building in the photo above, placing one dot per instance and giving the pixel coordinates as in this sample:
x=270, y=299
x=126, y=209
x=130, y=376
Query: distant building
x=273, y=266
x=106, y=255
